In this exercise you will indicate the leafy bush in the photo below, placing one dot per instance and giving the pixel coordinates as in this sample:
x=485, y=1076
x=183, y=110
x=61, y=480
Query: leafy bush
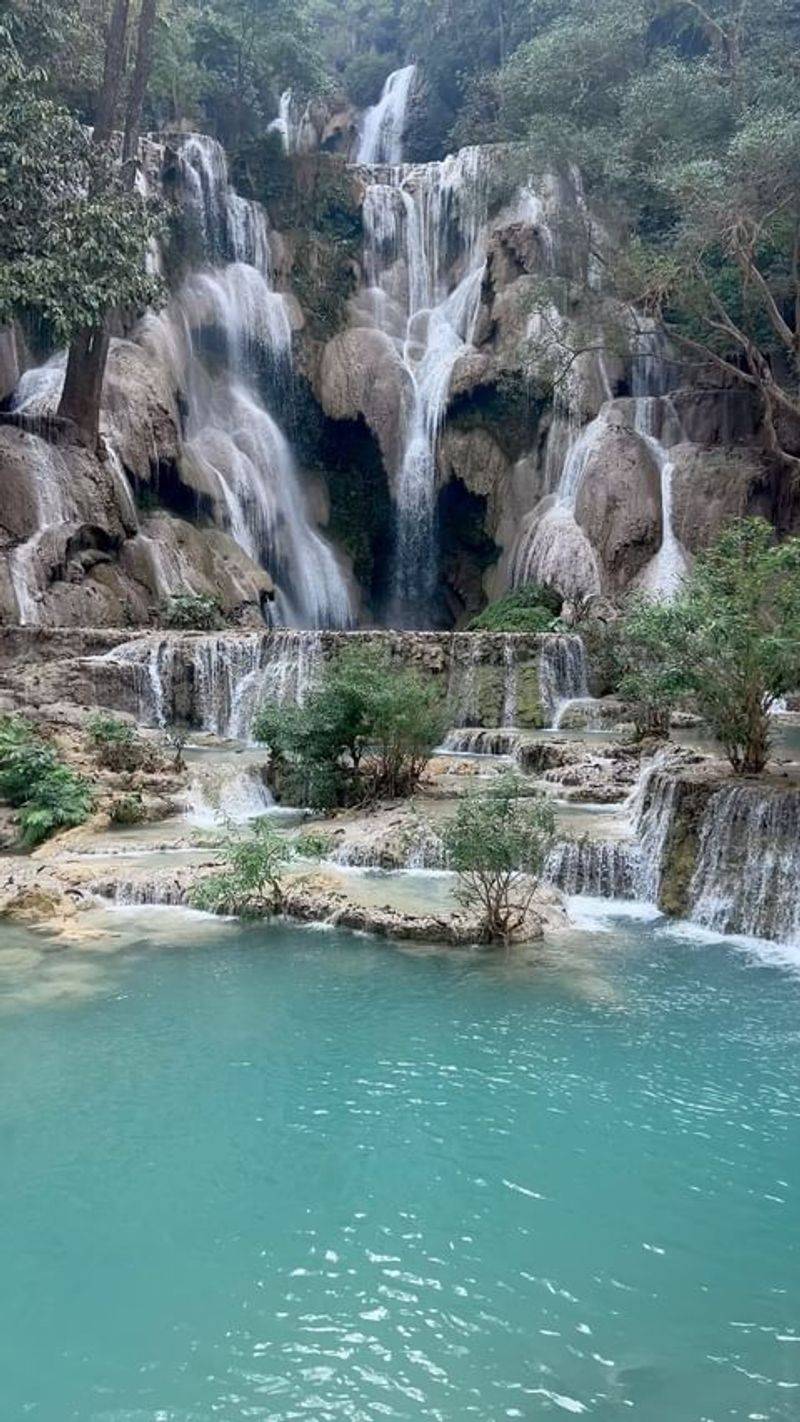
x=366, y=731
x=530, y=609
x=127, y=810
x=251, y=882
x=116, y=744
x=497, y=843
x=741, y=642
x=48, y=794
x=650, y=663
x=192, y=612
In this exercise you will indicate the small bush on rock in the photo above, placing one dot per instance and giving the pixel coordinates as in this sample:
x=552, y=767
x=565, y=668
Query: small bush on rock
x=128, y=810
x=192, y=612
x=117, y=745
x=531, y=610
x=251, y=882
x=497, y=843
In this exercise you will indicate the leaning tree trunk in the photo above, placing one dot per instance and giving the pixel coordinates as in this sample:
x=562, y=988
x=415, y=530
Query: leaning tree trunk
x=88, y=353
x=141, y=78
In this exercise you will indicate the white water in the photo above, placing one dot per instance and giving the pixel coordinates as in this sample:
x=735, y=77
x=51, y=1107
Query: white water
x=223, y=793
x=552, y=550
x=563, y=675
x=663, y=576
x=27, y=567
x=747, y=876
x=295, y=127
x=216, y=682
x=425, y=248
x=384, y=124
x=225, y=324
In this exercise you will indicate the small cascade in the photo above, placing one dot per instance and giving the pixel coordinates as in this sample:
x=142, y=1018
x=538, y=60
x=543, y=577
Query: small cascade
x=425, y=249
x=651, y=809
x=552, y=550
x=27, y=571
x=653, y=408
x=482, y=740
x=220, y=794
x=216, y=682
x=463, y=687
x=563, y=674
x=221, y=334
x=747, y=876
x=384, y=125
x=597, y=868
x=297, y=132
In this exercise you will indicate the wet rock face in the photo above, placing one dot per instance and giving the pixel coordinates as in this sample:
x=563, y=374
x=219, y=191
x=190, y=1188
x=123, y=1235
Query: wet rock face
x=712, y=486
x=619, y=504
x=361, y=373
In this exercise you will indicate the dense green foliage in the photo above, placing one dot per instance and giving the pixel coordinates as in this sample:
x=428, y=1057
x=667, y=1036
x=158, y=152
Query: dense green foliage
x=191, y=612
x=650, y=663
x=117, y=745
x=497, y=843
x=48, y=794
x=742, y=651
x=367, y=730
x=731, y=642
x=529, y=609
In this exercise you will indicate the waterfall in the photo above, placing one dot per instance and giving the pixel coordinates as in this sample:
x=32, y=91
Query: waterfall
x=219, y=794
x=297, y=134
x=664, y=574
x=563, y=674
x=598, y=868
x=50, y=479
x=651, y=809
x=552, y=550
x=384, y=124
x=425, y=247
x=216, y=682
x=223, y=330
x=747, y=875
x=482, y=740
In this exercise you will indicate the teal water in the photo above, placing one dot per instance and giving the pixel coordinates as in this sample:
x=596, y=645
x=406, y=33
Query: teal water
x=291, y=1174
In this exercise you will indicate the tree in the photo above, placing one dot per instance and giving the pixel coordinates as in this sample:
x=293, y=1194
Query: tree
x=742, y=646
x=366, y=730
x=497, y=843
x=649, y=664
x=88, y=352
x=73, y=237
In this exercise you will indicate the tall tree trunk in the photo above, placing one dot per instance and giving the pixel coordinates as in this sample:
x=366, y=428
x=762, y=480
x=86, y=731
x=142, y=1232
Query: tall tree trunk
x=139, y=83
x=83, y=384
x=88, y=353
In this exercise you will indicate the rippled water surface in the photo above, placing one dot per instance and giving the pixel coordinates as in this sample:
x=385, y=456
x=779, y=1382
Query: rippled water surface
x=291, y=1174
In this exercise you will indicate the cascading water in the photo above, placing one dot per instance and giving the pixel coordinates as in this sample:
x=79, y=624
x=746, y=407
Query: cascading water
x=651, y=813
x=51, y=484
x=653, y=408
x=384, y=124
x=599, y=868
x=748, y=867
x=552, y=550
x=425, y=252
x=224, y=329
x=563, y=675
x=216, y=682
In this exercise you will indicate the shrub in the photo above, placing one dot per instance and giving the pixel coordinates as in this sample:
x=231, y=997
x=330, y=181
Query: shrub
x=530, y=609
x=127, y=810
x=49, y=795
x=496, y=843
x=251, y=882
x=192, y=612
x=366, y=731
x=742, y=648
x=648, y=653
x=117, y=745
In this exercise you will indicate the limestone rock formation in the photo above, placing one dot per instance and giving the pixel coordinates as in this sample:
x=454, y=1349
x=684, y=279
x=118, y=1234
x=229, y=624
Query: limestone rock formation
x=619, y=504
x=361, y=374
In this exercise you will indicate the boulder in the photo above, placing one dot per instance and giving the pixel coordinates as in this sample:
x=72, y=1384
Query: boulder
x=361, y=373
x=712, y=486
x=475, y=458
x=140, y=409
x=618, y=505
